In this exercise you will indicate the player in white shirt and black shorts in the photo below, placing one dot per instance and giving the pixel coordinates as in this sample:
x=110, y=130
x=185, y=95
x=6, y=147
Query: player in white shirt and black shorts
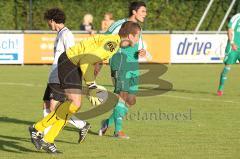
x=64, y=40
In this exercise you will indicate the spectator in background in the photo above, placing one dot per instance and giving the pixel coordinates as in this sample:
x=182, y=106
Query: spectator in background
x=107, y=21
x=87, y=23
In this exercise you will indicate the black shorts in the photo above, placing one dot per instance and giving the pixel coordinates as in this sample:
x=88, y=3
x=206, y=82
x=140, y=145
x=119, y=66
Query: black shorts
x=54, y=91
x=70, y=75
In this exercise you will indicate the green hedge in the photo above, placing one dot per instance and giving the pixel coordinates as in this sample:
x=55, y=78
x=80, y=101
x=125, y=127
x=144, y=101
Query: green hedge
x=162, y=14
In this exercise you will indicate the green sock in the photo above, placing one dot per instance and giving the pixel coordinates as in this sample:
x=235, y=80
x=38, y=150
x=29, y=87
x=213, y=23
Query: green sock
x=110, y=120
x=119, y=112
x=223, y=77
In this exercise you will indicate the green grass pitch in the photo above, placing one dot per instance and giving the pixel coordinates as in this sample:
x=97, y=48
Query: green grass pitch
x=195, y=123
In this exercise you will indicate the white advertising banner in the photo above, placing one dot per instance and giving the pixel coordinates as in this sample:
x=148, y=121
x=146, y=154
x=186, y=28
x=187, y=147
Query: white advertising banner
x=11, y=48
x=199, y=48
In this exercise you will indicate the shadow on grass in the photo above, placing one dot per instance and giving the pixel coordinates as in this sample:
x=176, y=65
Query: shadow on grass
x=28, y=123
x=14, y=144
x=15, y=121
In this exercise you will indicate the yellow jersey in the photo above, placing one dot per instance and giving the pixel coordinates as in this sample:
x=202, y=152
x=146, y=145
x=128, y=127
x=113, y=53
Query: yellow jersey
x=92, y=50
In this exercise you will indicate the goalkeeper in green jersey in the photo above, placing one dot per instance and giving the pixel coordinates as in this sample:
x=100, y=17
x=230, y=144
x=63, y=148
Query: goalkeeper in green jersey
x=232, y=52
x=125, y=72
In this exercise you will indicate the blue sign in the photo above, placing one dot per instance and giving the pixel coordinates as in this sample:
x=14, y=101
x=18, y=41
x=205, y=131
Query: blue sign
x=9, y=56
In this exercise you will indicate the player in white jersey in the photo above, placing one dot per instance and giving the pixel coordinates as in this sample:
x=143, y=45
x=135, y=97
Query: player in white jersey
x=54, y=95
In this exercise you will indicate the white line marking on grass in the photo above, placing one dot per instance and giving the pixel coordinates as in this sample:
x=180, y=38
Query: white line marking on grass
x=21, y=84
x=201, y=99
x=171, y=96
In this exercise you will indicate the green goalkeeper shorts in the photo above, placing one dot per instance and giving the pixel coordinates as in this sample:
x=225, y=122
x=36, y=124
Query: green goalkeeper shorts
x=232, y=57
x=125, y=81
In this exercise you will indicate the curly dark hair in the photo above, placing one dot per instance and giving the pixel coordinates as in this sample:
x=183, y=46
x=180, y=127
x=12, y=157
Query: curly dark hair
x=55, y=14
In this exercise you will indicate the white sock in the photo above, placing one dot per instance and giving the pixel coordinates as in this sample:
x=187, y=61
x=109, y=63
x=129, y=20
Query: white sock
x=46, y=112
x=76, y=122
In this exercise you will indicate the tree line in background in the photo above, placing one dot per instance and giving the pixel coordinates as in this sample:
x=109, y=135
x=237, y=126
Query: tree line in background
x=162, y=14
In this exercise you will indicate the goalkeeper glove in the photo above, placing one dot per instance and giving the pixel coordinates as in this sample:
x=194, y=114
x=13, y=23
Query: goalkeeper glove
x=94, y=89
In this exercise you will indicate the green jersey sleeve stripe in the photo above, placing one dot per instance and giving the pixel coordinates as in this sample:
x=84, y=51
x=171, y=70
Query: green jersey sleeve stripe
x=233, y=21
x=115, y=25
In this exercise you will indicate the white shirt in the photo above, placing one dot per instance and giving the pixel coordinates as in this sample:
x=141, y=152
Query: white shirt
x=63, y=41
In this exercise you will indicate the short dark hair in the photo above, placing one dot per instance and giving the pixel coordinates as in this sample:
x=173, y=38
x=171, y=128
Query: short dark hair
x=135, y=6
x=55, y=14
x=129, y=27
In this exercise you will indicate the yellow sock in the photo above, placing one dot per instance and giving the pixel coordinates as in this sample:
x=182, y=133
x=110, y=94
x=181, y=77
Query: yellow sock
x=46, y=122
x=63, y=113
x=54, y=131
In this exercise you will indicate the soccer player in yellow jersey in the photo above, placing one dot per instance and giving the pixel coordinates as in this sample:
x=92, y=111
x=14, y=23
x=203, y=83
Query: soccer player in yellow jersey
x=77, y=62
